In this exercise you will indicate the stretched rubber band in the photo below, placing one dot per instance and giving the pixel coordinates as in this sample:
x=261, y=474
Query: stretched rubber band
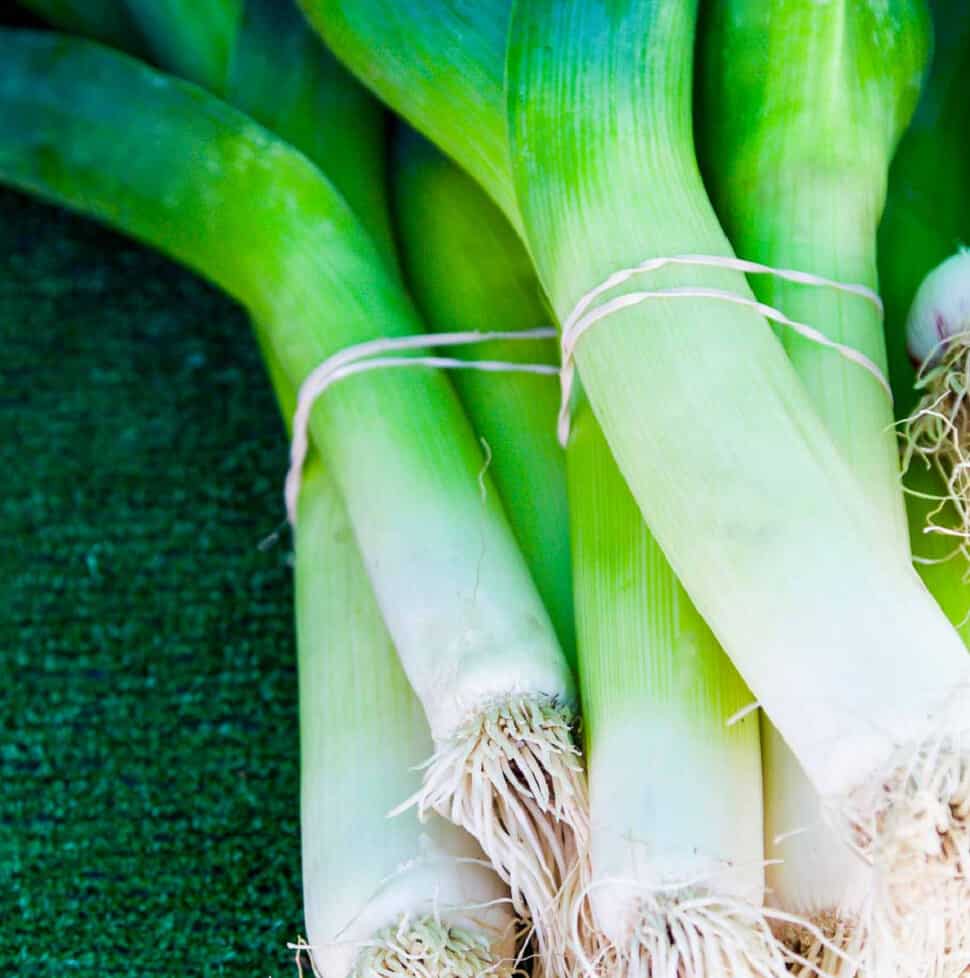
x=367, y=356
x=582, y=317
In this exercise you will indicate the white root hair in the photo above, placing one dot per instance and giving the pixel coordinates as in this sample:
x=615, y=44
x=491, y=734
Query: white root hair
x=513, y=778
x=689, y=932
x=911, y=824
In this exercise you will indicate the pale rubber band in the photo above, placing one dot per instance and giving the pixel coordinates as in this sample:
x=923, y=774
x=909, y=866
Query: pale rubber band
x=580, y=320
x=365, y=356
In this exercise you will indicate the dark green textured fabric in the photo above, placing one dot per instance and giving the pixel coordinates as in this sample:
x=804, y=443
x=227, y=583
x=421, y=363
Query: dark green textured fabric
x=148, y=724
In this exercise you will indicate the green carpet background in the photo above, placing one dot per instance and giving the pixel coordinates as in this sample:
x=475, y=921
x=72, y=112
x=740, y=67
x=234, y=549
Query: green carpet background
x=148, y=726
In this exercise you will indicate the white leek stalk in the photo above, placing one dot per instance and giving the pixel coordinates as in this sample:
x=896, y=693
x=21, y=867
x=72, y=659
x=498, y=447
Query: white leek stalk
x=677, y=874
x=382, y=896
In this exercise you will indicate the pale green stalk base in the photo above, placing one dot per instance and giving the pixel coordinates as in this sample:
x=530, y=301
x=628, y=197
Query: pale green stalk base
x=668, y=866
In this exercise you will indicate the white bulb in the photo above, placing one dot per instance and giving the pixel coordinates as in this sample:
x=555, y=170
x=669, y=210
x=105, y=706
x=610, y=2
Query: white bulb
x=941, y=309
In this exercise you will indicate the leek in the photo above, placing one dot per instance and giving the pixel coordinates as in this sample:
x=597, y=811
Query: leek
x=122, y=143
x=468, y=271
x=381, y=896
x=402, y=897
x=798, y=172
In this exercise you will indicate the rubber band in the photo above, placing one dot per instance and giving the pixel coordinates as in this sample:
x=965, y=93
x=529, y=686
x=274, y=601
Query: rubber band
x=580, y=320
x=362, y=357
x=366, y=356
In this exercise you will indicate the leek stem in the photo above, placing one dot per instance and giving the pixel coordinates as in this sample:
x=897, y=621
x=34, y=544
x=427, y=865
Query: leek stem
x=192, y=38
x=395, y=47
x=374, y=887
x=468, y=271
x=804, y=106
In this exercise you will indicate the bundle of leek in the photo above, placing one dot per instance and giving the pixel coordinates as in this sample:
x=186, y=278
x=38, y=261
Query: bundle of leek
x=788, y=553
x=576, y=117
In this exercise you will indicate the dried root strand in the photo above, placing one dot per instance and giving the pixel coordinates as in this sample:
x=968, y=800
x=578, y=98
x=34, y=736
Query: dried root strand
x=832, y=945
x=513, y=778
x=938, y=433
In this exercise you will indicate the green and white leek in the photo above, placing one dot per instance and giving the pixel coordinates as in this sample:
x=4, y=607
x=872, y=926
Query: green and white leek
x=381, y=896
x=173, y=166
x=469, y=272
x=798, y=173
